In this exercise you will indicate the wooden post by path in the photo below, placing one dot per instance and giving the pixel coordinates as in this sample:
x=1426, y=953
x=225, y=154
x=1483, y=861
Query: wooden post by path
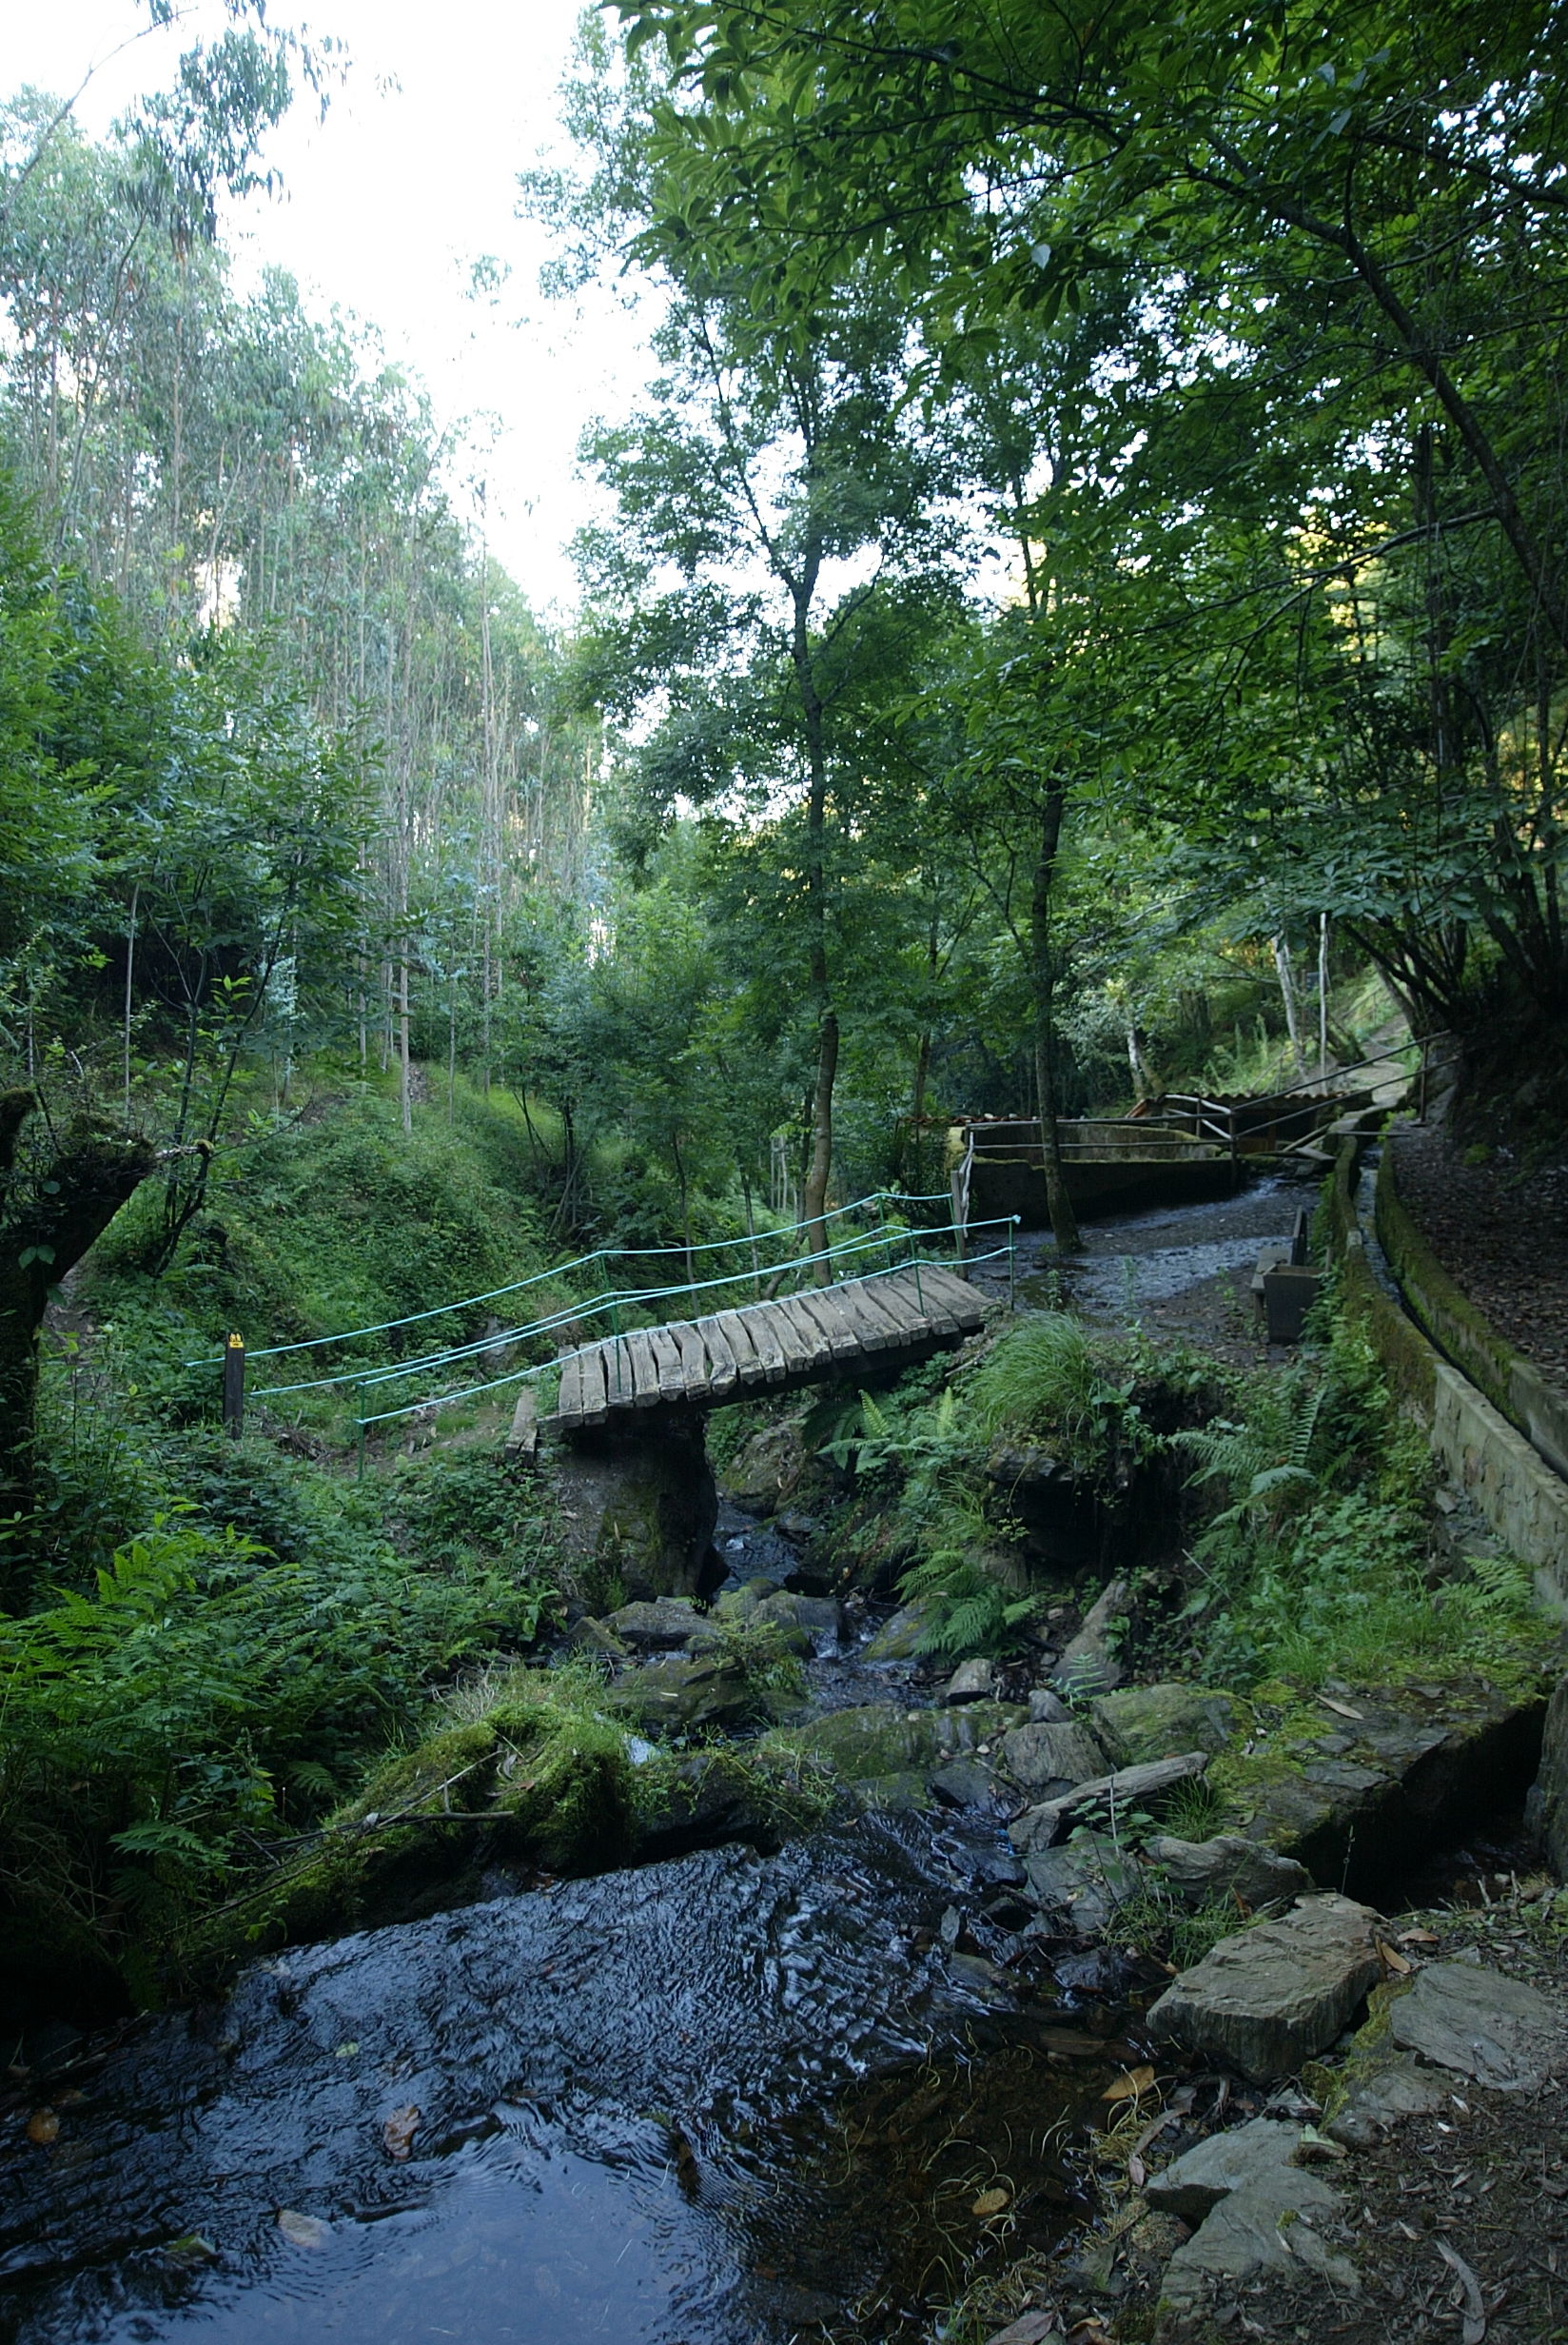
x=234, y=1359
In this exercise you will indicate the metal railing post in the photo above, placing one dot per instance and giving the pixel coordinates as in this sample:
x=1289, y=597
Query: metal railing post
x=1013, y=1264
x=359, y=1402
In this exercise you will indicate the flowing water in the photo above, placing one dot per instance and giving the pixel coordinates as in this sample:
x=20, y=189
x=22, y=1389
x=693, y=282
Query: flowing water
x=706, y=2102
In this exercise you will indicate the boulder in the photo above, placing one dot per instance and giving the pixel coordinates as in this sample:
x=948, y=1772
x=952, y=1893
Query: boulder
x=965, y=1782
x=1382, y=2097
x=1087, y=1664
x=816, y=1621
x=1046, y=1708
x=1043, y=1825
x=739, y=1604
x=1050, y=1760
x=1227, y=1866
x=660, y=1624
x=881, y=1738
x=588, y=1636
x=898, y=1639
x=1382, y=1776
x=1149, y=1721
x=972, y=1681
x=1265, y=2227
x=676, y=1695
x=1479, y=2023
x=1195, y=2182
x=1277, y=1995
x=765, y=1469
x=1084, y=1883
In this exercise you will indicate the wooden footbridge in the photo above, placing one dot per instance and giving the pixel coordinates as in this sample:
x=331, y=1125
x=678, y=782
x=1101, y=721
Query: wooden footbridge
x=846, y=1330
x=806, y=1321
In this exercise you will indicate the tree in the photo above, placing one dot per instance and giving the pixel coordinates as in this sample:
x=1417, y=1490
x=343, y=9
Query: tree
x=1340, y=383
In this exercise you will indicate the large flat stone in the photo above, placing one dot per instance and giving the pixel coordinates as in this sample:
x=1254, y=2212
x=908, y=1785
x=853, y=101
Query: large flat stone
x=1152, y=1722
x=1275, y=1995
x=1479, y=2023
x=662, y=1624
x=1043, y=1825
x=1195, y=2182
x=880, y=1738
x=1397, y=2088
x=1253, y=2231
x=1086, y=1882
x=1228, y=1865
x=1038, y=1757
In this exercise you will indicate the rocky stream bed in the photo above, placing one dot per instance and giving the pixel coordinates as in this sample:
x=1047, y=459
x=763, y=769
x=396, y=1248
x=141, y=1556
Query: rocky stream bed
x=910, y=2061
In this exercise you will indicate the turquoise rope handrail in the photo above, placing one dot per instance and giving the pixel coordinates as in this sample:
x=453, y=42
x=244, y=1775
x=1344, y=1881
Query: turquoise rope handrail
x=519, y=1375
x=608, y=1299
x=561, y=1270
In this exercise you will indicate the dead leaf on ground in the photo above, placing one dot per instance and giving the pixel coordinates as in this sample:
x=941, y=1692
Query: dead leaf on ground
x=399, y=2131
x=1137, y=2171
x=303, y=2230
x=43, y=2126
x=1028, y=2329
x=1420, y=1938
x=1474, y=2305
x=1392, y=1959
x=1341, y=1710
x=1130, y=2084
x=990, y=2201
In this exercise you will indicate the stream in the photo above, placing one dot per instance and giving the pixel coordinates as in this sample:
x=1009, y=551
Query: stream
x=726, y=2099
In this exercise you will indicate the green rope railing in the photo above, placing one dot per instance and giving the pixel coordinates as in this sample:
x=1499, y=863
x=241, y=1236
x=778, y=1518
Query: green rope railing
x=539, y=1368
x=563, y=1269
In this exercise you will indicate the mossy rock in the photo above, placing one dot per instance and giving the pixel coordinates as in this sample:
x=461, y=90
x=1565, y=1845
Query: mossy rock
x=880, y=1740
x=539, y=1782
x=1141, y=1723
x=680, y=1694
x=901, y=1637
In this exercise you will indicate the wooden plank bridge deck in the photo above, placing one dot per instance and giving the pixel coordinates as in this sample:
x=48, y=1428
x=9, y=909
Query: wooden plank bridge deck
x=822, y=1332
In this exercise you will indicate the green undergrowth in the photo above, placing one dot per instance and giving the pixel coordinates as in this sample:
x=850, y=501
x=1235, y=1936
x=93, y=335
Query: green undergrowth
x=1100, y=1406
x=1316, y=1562
x=223, y=1678
x=529, y=1772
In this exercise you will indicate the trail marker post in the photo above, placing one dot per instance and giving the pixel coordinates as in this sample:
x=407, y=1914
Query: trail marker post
x=234, y=1364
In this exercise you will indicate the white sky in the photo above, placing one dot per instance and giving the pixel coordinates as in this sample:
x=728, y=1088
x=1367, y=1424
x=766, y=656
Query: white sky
x=388, y=204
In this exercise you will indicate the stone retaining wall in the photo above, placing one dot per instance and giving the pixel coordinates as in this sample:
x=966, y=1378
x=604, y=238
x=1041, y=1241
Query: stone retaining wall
x=1523, y=1500
x=1512, y=1384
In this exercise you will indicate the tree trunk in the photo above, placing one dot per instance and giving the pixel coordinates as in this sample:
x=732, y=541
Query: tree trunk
x=1064, y=1221
x=814, y=1202
x=1287, y=994
x=50, y=1217
x=405, y=1092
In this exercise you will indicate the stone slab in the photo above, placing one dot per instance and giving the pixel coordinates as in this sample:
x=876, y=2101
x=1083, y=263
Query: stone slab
x=1152, y=1722
x=1479, y=2023
x=1194, y=2183
x=1228, y=1865
x=1250, y=2232
x=1273, y=1996
x=1039, y=1755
